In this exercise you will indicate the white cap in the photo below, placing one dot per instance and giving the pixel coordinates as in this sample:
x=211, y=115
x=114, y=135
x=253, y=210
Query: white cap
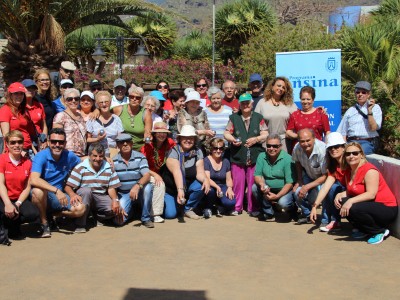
x=67, y=65
x=188, y=90
x=193, y=95
x=87, y=93
x=333, y=139
x=64, y=81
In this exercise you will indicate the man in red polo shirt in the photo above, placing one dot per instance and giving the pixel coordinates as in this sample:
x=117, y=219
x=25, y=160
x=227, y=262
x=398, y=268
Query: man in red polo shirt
x=229, y=88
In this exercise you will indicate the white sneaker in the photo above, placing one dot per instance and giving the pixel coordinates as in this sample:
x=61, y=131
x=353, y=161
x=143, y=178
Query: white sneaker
x=158, y=219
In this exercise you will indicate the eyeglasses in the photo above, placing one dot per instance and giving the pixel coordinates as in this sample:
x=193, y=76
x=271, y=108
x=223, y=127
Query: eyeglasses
x=162, y=86
x=201, y=85
x=44, y=80
x=67, y=86
x=19, y=142
x=273, y=146
x=69, y=99
x=55, y=142
x=218, y=148
x=334, y=147
x=354, y=153
x=361, y=92
x=131, y=97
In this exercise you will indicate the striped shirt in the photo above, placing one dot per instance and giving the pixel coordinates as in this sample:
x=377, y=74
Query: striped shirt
x=315, y=164
x=129, y=174
x=83, y=175
x=219, y=120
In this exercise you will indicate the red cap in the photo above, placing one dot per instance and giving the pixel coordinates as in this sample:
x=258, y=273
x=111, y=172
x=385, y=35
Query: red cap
x=16, y=87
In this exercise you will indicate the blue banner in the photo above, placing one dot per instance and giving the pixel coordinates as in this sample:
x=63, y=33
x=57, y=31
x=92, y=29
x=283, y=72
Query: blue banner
x=320, y=69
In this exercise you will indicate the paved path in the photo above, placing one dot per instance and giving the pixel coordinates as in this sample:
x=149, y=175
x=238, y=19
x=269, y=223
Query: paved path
x=220, y=258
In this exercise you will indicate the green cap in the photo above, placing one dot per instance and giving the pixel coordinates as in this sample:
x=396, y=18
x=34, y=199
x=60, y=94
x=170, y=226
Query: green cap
x=245, y=97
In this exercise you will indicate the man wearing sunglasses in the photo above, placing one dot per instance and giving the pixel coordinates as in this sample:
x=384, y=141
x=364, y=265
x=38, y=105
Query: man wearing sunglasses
x=361, y=121
x=273, y=180
x=50, y=168
x=95, y=86
x=66, y=71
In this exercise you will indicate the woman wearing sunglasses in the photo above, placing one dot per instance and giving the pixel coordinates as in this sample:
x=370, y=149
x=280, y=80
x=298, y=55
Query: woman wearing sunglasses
x=201, y=86
x=334, y=184
x=218, y=171
x=368, y=203
x=72, y=122
x=15, y=205
x=163, y=87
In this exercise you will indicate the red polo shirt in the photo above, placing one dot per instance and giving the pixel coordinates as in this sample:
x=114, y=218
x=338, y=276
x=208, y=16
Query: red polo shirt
x=233, y=104
x=16, y=176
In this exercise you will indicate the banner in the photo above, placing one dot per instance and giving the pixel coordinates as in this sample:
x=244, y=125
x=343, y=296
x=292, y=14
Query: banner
x=320, y=69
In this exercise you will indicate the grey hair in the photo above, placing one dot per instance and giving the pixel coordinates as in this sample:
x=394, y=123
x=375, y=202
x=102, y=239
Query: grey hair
x=136, y=90
x=214, y=90
x=274, y=136
x=67, y=92
x=99, y=148
x=156, y=101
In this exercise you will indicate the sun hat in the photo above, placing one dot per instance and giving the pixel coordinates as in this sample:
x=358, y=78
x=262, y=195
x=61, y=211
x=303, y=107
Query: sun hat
x=160, y=127
x=87, y=93
x=67, y=65
x=193, y=96
x=16, y=87
x=123, y=137
x=119, y=82
x=28, y=83
x=334, y=138
x=158, y=95
x=255, y=77
x=187, y=130
x=245, y=97
x=363, y=85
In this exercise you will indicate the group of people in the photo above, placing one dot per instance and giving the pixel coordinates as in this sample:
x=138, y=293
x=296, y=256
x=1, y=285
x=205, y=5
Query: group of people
x=192, y=153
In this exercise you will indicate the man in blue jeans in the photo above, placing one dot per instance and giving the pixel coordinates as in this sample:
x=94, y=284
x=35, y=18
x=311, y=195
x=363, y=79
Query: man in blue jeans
x=273, y=179
x=309, y=156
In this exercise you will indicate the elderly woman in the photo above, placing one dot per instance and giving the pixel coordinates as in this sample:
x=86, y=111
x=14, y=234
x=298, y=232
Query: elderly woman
x=277, y=107
x=15, y=186
x=136, y=120
x=87, y=105
x=13, y=114
x=185, y=178
x=246, y=131
x=156, y=155
x=194, y=115
x=334, y=184
x=106, y=127
x=218, y=171
x=368, y=203
x=152, y=104
x=72, y=122
x=308, y=116
x=217, y=114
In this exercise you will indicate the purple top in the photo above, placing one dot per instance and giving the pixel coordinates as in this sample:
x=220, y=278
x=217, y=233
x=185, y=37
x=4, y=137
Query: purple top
x=219, y=177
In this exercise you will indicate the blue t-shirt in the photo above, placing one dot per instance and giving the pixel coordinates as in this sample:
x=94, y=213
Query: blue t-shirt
x=54, y=172
x=57, y=105
x=219, y=177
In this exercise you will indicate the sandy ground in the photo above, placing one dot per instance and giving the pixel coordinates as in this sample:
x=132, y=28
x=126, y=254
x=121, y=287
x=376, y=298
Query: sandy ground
x=220, y=258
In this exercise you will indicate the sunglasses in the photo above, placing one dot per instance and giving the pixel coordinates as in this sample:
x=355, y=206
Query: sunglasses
x=124, y=142
x=201, y=85
x=95, y=88
x=273, y=146
x=218, y=148
x=354, y=153
x=69, y=99
x=162, y=86
x=55, y=142
x=19, y=142
x=135, y=97
x=361, y=92
x=67, y=86
x=334, y=147
x=68, y=71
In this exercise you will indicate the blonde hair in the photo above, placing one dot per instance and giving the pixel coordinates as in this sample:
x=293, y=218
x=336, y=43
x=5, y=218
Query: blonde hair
x=287, y=98
x=51, y=93
x=357, y=145
x=13, y=133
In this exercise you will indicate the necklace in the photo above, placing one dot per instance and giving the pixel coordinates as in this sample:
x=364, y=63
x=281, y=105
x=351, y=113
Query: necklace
x=274, y=103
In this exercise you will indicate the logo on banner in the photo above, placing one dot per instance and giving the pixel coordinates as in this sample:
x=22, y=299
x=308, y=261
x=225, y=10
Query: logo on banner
x=331, y=64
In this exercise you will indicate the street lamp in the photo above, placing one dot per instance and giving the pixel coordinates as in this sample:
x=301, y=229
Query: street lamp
x=213, y=44
x=99, y=55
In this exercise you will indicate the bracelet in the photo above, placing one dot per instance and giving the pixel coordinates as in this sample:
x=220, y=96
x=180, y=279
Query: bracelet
x=56, y=191
x=181, y=189
x=18, y=202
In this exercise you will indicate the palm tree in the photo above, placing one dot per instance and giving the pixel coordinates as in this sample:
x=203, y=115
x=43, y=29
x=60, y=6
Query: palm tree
x=36, y=29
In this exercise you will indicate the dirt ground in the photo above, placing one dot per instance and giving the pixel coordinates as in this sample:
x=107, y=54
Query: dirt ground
x=220, y=258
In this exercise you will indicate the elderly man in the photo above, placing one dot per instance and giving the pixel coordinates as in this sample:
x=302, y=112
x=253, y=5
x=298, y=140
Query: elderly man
x=309, y=156
x=256, y=88
x=273, y=179
x=66, y=71
x=229, y=88
x=361, y=121
x=133, y=171
x=119, y=98
x=95, y=86
x=93, y=182
x=50, y=168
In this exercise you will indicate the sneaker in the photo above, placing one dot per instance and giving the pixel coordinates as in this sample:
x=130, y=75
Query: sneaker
x=234, y=213
x=220, y=211
x=192, y=215
x=80, y=230
x=158, y=219
x=303, y=220
x=266, y=217
x=99, y=224
x=207, y=213
x=356, y=234
x=46, y=233
x=254, y=214
x=331, y=226
x=148, y=224
x=54, y=226
x=378, y=238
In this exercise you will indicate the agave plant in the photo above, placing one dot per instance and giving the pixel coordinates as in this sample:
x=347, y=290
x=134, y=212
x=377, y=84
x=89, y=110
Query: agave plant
x=196, y=45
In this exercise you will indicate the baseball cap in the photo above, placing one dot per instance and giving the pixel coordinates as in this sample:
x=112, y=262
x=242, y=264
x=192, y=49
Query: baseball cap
x=123, y=137
x=65, y=81
x=28, y=83
x=94, y=82
x=363, y=85
x=245, y=97
x=255, y=77
x=16, y=87
x=158, y=95
x=87, y=93
x=119, y=82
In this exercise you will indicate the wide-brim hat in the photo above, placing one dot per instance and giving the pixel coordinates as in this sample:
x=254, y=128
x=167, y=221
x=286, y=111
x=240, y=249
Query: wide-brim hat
x=160, y=127
x=334, y=138
x=67, y=65
x=187, y=130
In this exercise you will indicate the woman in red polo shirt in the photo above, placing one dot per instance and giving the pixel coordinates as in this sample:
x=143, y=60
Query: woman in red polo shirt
x=13, y=114
x=15, y=206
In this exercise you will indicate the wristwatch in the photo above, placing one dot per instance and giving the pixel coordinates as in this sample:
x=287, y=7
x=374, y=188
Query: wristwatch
x=370, y=114
x=140, y=185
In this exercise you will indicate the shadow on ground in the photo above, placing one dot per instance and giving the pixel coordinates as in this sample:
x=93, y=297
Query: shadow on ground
x=144, y=294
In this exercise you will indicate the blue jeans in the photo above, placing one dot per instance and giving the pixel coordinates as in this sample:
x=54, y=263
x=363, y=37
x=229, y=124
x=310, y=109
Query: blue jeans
x=309, y=199
x=53, y=204
x=145, y=195
x=331, y=211
x=285, y=202
x=193, y=194
x=367, y=146
x=211, y=199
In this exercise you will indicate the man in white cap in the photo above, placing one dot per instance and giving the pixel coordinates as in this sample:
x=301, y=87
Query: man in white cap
x=119, y=98
x=361, y=121
x=59, y=103
x=66, y=71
